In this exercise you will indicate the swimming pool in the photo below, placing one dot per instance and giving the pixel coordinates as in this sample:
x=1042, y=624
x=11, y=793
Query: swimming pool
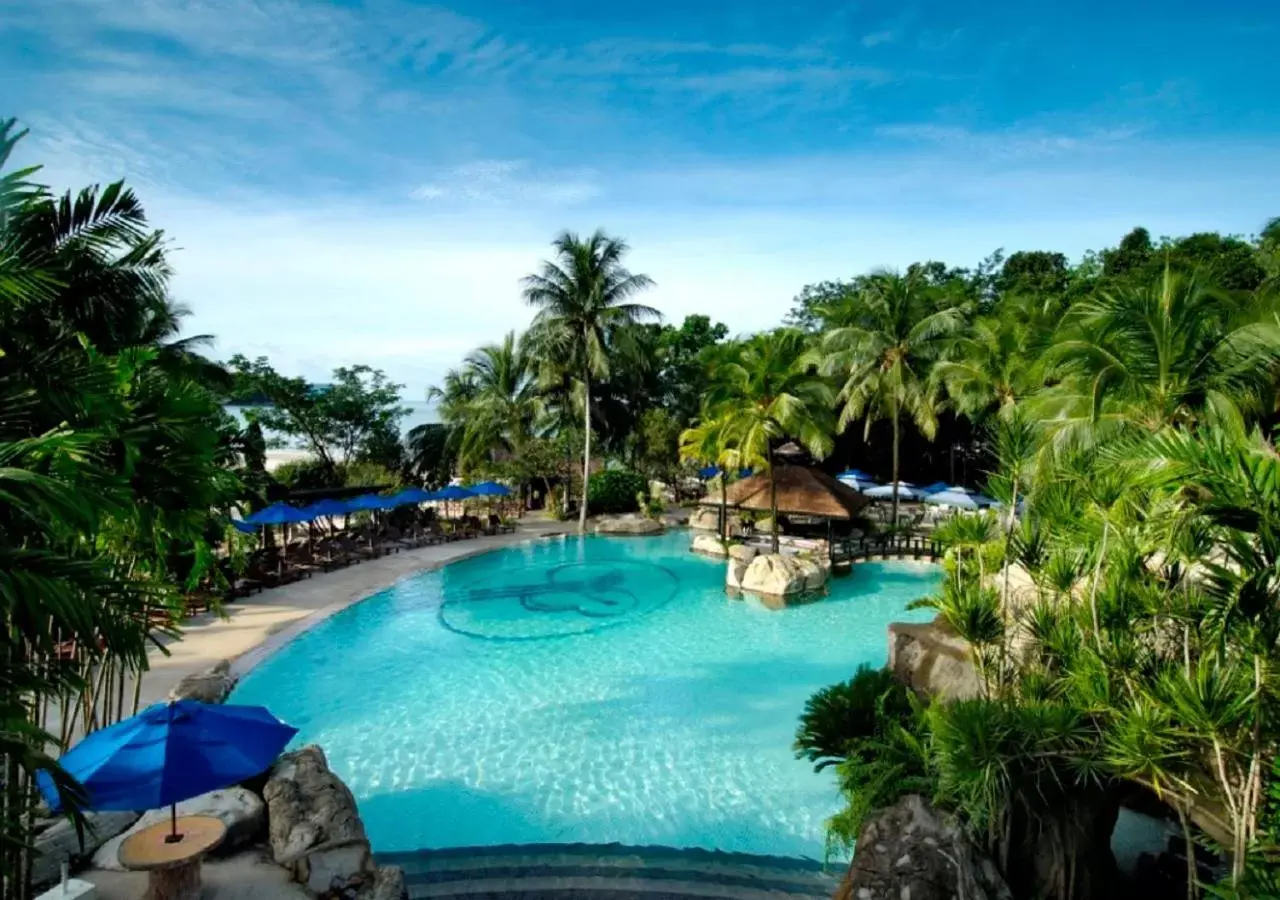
x=581, y=690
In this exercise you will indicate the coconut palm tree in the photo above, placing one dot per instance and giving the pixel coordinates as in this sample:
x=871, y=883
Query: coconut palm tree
x=767, y=390
x=1178, y=351
x=883, y=351
x=583, y=298
x=491, y=402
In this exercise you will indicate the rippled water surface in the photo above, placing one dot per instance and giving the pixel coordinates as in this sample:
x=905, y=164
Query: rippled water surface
x=595, y=690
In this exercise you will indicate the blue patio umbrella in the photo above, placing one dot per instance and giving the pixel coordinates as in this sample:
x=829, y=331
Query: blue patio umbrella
x=935, y=488
x=957, y=497
x=708, y=472
x=171, y=752
x=367, y=501
x=885, y=492
x=452, y=492
x=276, y=514
x=405, y=497
x=326, y=507
x=244, y=527
x=858, y=484
x=855, y=474
x=490, y=489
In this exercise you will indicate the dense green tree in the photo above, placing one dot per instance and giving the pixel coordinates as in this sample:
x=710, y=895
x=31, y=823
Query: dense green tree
x=491, y=404
x=882, y=350
x=583, y=299
x=337, y=422
x=767, y=390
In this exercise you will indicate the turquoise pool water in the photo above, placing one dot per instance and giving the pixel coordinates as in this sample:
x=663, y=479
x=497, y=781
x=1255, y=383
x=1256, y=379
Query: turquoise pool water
x=582, y=690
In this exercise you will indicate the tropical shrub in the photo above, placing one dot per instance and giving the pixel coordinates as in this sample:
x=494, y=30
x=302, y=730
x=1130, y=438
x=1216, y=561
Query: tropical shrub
x=615, y=491
x=837, y=716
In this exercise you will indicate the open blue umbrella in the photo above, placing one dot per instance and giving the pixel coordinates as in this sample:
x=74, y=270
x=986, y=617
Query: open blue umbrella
x=171, y=752
x=367, y=501
x=412, y=495
x=277, y=514
x=858, y=484
x=709, y=472
x=957, y=497
x=244, y=527
x=935, y=488
x=885, y=492
x=490, y=489
x=452, y=492
x=855, y=474
x=326, y=507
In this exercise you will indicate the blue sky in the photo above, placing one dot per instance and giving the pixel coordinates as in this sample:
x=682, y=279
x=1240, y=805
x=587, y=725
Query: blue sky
x=366, y=182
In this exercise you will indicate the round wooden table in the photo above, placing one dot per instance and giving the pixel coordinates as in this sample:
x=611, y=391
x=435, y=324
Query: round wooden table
x=172, y=867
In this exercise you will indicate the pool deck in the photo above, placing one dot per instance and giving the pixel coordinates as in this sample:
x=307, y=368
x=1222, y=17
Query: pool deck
x=253, y=627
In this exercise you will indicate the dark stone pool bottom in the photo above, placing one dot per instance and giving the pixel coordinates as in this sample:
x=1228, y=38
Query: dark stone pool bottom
x=608, y=872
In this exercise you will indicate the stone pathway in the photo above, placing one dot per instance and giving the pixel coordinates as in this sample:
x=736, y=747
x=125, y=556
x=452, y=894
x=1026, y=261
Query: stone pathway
x=255, y=626
x=608, y=872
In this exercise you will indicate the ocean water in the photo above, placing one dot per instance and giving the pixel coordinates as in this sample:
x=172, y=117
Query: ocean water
x=420, y=412
x=582, y=690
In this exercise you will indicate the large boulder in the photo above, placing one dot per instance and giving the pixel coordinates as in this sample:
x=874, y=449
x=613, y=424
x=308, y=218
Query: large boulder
x=60, y=844
x=932, y=661
x=705, y=518
x=240, y=810
x=387, y=884
x=734, y=573
x=314, y=827
x=211, y=686
x=910, y=850
x=708, y=545
x=774, y=575
x=631, y=523
x=743, y=553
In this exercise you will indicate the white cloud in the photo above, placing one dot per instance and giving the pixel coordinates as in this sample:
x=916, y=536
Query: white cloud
x=495, y=181
x=876, y=38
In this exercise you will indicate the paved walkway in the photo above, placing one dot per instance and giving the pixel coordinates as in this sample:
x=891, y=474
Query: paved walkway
x=254, y=626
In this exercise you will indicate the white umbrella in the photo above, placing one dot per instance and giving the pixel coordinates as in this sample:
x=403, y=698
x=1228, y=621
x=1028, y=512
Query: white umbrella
x=957, y=497
x=885, y=492
x=858, y=484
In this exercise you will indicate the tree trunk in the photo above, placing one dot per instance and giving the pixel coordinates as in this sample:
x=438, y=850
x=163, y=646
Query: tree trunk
x=724, y=505
x=586, y=447
x=896, y=432
x=773, y=506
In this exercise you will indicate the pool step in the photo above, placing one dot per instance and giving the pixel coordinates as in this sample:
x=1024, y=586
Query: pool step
x=608, y=872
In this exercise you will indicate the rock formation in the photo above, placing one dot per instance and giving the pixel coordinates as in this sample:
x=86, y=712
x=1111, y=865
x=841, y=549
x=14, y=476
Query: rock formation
x=708, y=545
x=910, y=850
x=60, y=844
x=775, y=576
x=211, y=686
x=631, y=523
x=932, y=661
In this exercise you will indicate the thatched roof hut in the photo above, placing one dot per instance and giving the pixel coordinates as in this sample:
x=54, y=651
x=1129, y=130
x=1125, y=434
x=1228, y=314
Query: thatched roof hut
x=802, y=490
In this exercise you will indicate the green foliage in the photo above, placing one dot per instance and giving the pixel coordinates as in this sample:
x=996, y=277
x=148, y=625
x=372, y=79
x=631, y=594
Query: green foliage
x=615, y=491
x=115, y=473
x=858, y=709
x=349, y=418
x=585, y=314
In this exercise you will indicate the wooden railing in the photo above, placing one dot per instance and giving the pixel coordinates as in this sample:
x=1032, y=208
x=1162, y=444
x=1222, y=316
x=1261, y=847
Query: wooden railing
x=845, y=551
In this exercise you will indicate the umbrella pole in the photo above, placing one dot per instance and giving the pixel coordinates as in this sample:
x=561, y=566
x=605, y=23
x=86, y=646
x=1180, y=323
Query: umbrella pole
x=173, y=837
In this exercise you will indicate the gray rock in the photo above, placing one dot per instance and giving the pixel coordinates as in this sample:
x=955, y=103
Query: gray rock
x=743, y=553
x=212, y=686
x=628, y=524
x=708, y=545
x=387, y=884
x=705, y=519
x=734, y=574
x=240, y=810
x=932, y=661
x=314, y=827
x=774, y=575
x=59, y=843
x=910, y=850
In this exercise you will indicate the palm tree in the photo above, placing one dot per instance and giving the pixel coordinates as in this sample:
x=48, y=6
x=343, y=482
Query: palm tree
x=765, y=391
x=703, y=443
x=884, y=349
x=1177, y=351
x=583, y=299
x=491, y=402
